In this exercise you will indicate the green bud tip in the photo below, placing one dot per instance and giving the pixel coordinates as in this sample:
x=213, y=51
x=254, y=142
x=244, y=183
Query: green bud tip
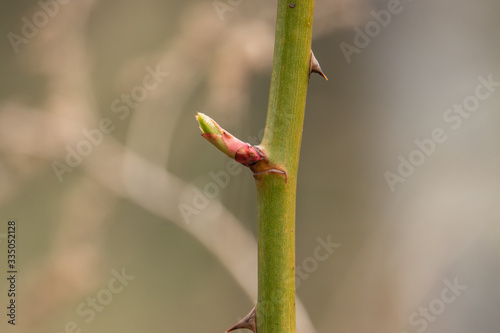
x=207, y=124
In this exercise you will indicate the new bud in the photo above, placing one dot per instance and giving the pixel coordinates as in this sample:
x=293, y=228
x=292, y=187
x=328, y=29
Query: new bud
x=238, y=150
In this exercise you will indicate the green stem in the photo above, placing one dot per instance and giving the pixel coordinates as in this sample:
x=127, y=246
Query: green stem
x=281, y=143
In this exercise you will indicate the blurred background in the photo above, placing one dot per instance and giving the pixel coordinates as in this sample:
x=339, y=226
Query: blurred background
x=128, y=221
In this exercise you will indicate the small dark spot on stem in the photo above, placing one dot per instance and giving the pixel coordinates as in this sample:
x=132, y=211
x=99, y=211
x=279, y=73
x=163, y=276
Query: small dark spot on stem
x=291, y=5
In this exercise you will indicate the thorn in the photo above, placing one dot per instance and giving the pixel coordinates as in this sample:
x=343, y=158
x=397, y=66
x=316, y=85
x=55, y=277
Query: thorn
x=249, y=322
x=314, y=67
x=278, y=171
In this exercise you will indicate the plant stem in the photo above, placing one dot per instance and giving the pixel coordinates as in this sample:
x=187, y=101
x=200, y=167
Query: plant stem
x=281, y=143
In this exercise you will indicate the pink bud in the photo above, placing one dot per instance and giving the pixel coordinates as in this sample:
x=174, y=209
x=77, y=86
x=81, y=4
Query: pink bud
x=247, y=155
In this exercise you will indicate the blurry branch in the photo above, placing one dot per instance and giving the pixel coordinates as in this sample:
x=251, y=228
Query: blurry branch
x=31, y=137
x=69, y=271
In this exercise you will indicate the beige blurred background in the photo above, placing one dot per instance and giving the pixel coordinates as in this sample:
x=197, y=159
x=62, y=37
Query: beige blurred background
x=153, y=203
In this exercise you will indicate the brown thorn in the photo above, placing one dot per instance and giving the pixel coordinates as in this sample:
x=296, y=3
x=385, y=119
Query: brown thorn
x=314, y=67
x=249, y=322
x=272, y=171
